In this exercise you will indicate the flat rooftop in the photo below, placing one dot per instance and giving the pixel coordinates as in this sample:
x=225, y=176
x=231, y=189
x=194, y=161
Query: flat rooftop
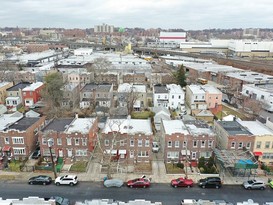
x=18, y=86
x=58, y=125
x=212, y=67
x=24, y=123
x=251, y=77
x=174, y=126
x=160, y=89
x=234, y=128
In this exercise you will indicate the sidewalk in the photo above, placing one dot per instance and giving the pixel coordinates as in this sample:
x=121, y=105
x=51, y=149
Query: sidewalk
x=158, y=175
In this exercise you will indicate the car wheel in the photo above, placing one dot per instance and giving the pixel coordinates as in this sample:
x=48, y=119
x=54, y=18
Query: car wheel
x=71, y=184
x=57, y=184
x=131, y=186
x=31, y=183
x=262, y=188
x=203, y=186
x=248, y=188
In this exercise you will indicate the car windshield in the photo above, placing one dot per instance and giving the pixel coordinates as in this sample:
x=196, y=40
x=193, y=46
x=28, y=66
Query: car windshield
x=250, y=181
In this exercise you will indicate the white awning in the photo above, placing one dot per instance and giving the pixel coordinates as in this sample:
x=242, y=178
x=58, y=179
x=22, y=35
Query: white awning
x=114, y=151
x=183, y=152
x=122, y=151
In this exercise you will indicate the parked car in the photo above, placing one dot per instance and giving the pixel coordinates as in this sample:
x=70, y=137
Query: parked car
x=155, y=147
x=113, y=183
x=188, y=201
x=182, y=182
x=254, y=184
x=139, y=183
x=270, y=184
x=210, y=182
x=60, y=200
x=36, y=154
x=41, y=179
x=66, y=180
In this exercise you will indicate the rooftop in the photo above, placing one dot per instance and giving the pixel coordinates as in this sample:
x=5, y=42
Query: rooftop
x=18, y=86
x=24, y=123
x=3, y=84
x=174, y=126
x=256, y=128
x=33, y=86
x=99, y=88
x=8, y=119
x=175, y=89
x=81, y=125
x=214, y=68
x=126, y=87
x=198, y=127
x=251, y=77
x=58, y=125
x=160, y=89
x=234, y=128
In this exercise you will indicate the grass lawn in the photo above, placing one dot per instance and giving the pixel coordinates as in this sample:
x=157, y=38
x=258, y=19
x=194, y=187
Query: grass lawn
x=79, y=166
x=145, y=167
x=142, y=115
x=228, y=111
x=173, y=169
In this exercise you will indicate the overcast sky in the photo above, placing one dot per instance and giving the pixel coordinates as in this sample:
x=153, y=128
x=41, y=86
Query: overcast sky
x=185, y=14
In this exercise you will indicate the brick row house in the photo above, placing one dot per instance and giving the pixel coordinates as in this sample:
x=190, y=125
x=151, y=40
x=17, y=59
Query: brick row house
x=19, y=134
x=128, y=140
x=186, y=140
x=73, y=138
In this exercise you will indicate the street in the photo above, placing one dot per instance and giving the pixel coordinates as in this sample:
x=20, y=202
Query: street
x=157, y=192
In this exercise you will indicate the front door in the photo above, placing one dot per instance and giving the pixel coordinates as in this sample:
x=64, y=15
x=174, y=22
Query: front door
x=69, y=153
x=61, y=153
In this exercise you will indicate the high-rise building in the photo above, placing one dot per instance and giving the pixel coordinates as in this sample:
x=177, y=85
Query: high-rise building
x=104, y=28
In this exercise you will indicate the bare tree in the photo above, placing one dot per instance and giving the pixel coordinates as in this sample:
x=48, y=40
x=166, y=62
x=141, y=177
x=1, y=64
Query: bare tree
x=252, y=106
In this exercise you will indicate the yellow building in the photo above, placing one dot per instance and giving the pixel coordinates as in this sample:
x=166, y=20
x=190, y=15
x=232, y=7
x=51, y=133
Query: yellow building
x=263, y=145
x=3, y=90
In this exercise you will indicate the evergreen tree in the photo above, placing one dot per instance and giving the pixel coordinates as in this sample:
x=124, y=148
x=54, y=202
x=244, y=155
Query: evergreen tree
x=180, y=76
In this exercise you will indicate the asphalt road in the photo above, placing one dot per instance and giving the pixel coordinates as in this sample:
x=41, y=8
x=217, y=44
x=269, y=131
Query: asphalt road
x=157, y=192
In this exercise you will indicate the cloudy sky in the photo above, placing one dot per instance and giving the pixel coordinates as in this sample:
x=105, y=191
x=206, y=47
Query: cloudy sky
x=186, y=14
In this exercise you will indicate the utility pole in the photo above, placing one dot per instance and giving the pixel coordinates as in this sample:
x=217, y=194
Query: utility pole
x=50, y=143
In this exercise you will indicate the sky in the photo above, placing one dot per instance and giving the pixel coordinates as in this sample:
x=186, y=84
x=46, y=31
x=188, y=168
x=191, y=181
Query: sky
x=165, y=14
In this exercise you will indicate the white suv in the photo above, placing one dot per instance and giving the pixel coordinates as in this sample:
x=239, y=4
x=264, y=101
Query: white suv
x=67, y=180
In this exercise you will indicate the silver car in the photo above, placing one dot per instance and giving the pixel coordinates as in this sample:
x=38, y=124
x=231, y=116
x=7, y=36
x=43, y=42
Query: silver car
x=254, y=184
x=113, y=183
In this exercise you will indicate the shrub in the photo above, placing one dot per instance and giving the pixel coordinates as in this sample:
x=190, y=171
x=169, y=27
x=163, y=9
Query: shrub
x=180, y=165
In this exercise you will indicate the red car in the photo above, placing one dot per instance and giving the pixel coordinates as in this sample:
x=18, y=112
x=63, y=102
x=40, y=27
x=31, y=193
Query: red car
x=182, y=182
x=139, y=183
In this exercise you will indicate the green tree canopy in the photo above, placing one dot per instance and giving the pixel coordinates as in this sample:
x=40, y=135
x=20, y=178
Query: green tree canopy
x=53, y=90
x=180, y=76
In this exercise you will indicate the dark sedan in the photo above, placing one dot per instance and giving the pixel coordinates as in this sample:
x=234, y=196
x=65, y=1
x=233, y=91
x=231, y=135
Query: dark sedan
x=139, y=183
x=41, y=179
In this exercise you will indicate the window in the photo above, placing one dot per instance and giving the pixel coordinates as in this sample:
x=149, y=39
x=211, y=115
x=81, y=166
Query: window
x=203, y=143
x=193, y=155
x=106, y=142
x=19, y=151
x=44, y=141
x=59, y=141
x=143, y=154
x=248, y=145
x=17, y=140
x=139, y=143
x=172, y=96
x=131, y=153
x=194, y=143
x=68, y=141
x=262, y=97
x=6, y=140
x=121, y=143
x=240, y=146
x=131, y=143
x=258, y=144
x=173, y=155
x=233, y=144
x=169, y=143
x=84, y=141
x=77, y=141
x=176, y=144
x=247, y=92
x=185, y=144
x=147, y=143
x=81, y=152
x=267, y=145
x=210, y=144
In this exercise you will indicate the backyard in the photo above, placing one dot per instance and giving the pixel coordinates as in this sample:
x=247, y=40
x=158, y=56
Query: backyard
x=229, y=111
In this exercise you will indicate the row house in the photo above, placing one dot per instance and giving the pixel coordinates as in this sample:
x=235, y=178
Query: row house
x=3, y=90
x=188, y=140
x=24, y=76
x=92, y=95
x=127, y=139
x=73, y=138
x=32, y=93
x=110, y=78
x=169, y=96
x=161, y=78
x=203, y=97
x=81, y=78
x=136, y=95
x=71, y=95
x=19, y=135
x=14, y=95
x=135, y=78
x=263, y=145
x=231, y=135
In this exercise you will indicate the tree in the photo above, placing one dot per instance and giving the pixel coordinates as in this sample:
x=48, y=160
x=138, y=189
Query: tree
x=180, y=76
x=52, y=93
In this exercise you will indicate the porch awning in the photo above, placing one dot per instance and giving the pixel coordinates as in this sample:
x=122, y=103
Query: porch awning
x=183, y=152
x=122, y=151
x=257, y=154
x=6, y=148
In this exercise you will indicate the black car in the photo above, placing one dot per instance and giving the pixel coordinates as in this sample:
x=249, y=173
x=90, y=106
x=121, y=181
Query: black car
x=36, y=154
x=60, y=200
x=41, y=179
x=210, y=182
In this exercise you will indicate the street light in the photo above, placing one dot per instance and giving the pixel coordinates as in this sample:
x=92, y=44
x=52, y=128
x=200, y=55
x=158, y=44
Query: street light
x=50, y=143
